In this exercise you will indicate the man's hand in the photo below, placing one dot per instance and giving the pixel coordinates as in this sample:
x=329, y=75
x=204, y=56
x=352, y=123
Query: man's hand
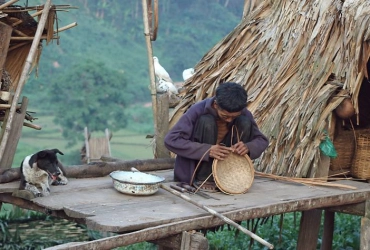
x=219, y=152
x=240, y=148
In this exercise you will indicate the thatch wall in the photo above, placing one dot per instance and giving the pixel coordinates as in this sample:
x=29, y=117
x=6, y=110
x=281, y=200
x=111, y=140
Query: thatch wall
x=298, y=60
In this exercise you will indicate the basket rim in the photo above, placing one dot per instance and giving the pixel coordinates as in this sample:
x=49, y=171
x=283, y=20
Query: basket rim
x=225, y=189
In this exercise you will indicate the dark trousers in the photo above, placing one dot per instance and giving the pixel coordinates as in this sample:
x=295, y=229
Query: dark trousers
x=205, y=131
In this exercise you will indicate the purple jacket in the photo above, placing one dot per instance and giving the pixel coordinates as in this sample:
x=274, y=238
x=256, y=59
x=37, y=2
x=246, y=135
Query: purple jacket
x=179, y=140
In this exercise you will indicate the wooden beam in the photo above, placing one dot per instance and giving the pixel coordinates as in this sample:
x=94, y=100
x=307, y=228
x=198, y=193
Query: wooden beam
x=327, y=236
x=162, y=126
x=365, y=228
x=100, y=169
x=172, y=242
x=311, y=219
x=193, y=241
x=189, y=242
x=30, y=205
x=309, y=229
x=354, y=209
x=6, y=160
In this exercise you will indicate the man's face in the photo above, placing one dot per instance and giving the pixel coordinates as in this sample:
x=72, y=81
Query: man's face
x=226, y=116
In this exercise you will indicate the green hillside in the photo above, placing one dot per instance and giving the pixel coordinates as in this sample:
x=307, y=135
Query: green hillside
x=110, y=33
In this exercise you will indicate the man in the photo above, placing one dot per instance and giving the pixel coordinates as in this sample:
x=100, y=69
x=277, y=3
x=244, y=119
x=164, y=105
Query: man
x=211, y=129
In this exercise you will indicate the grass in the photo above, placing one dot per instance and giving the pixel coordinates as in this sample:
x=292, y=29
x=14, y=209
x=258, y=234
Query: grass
x=125, y=144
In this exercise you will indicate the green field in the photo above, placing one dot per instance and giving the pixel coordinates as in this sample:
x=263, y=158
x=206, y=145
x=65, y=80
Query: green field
x=125, y=144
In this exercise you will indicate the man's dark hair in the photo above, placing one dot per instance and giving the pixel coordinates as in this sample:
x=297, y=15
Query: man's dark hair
x=231, y=97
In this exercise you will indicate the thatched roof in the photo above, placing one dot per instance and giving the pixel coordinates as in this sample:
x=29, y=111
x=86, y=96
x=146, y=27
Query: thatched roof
x=298, y=60
x=24, y=22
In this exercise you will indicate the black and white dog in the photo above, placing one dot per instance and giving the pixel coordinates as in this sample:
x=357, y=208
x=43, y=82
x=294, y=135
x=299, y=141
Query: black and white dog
x=40, y=168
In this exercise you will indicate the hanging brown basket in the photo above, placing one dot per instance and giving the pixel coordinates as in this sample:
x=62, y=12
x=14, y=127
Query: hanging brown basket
x=344, y=144
x=361, y=162
x=234, y=175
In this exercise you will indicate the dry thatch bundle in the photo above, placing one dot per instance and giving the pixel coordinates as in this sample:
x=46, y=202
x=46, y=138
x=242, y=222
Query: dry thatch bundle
x=298, y=60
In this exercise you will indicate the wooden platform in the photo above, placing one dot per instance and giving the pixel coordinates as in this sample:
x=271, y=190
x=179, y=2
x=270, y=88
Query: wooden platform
x=95, y=202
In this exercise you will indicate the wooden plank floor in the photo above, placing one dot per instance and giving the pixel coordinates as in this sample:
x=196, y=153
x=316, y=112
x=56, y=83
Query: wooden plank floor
x=105, y=209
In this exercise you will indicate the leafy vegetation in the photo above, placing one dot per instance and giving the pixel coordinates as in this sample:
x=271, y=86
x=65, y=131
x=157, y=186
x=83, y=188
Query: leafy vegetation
x=91, y=89
x=281, y=231
x=284, y=237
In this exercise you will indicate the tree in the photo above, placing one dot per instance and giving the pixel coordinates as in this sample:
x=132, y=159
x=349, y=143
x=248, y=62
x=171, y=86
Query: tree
x=89, y=94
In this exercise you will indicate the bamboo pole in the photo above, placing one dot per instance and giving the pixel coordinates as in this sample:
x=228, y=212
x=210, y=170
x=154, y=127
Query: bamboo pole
x=218, y=215
x=16, y=38
x=24, y=76
x=3, y=6
x=153, y=91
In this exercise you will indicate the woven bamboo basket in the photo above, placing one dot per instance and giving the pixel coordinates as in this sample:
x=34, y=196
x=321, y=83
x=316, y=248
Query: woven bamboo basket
x=344, y=143
x=361, y=162
x=234, y=175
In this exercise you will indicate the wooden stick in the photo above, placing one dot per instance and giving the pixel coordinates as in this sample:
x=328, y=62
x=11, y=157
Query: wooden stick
x=306, y=181
x=30, y=125
x=17, y=46
x=66, y=27
x=20, y=33
x=218, y=215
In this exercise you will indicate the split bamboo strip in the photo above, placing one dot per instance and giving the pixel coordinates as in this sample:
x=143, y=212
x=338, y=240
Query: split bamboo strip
x=305, y=181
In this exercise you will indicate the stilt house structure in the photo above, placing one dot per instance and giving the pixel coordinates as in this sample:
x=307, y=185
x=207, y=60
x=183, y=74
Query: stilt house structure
x=23, y=30
x=299, y=62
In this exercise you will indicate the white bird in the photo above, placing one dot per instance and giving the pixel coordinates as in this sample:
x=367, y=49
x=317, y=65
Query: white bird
x=187, y=73
x=162, y=87
x=160, y=72
x=171, y=88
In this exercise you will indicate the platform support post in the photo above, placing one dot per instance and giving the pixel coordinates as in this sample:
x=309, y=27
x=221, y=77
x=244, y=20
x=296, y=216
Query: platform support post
x=327, y=237
x=365, y=228
x=309, y=230
x=191, y=240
